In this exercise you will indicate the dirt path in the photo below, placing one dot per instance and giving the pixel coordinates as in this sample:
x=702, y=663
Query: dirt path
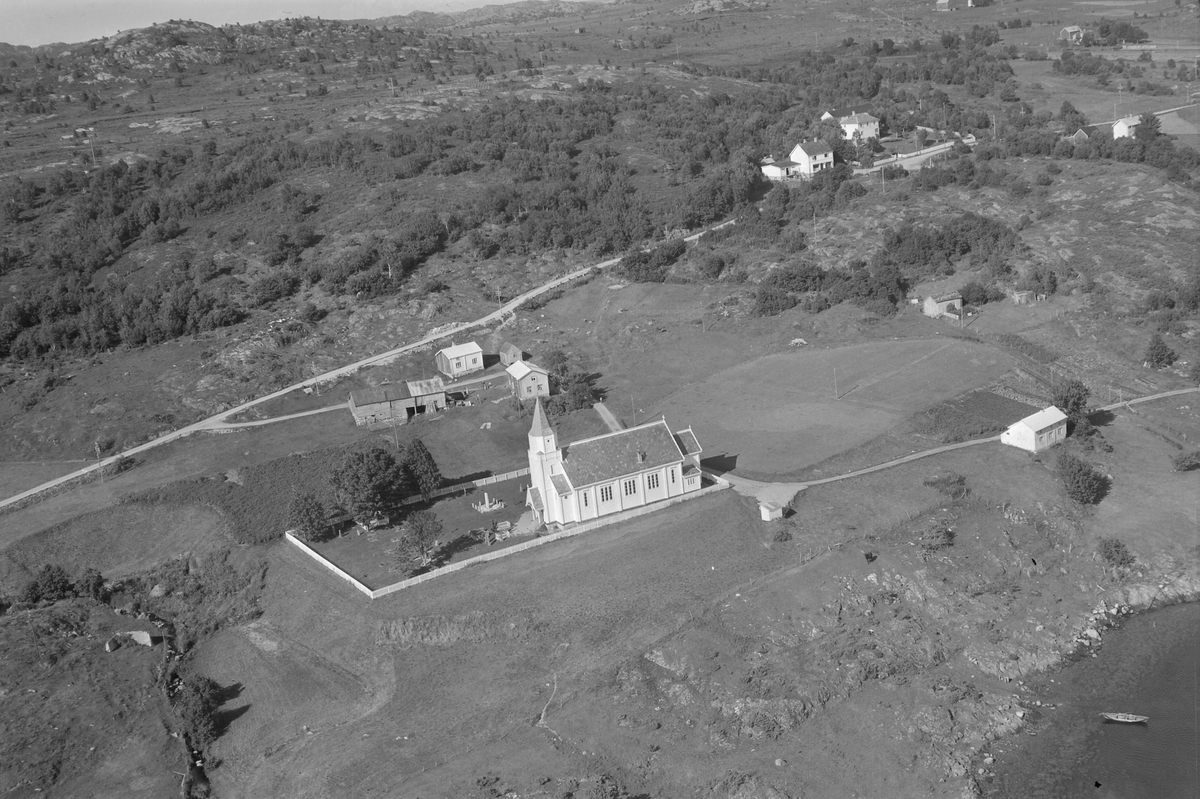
x=607, y=416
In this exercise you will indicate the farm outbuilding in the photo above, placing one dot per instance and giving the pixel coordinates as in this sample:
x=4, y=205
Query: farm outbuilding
x=397, y=401
x=780, y=170
x=528, y=380
x=1037, y=432
x=460, y=359
x=944, y=305
x=1072, y=34
x=510, y=353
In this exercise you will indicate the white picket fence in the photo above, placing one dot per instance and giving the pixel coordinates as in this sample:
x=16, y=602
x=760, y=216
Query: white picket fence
x=604, y=521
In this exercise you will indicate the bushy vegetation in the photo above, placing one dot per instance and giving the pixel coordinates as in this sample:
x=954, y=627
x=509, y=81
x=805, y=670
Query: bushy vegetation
x=1115, y=553
x=1071, y=397
x=1158, y=354
x=1030, y=349
x=1083, y=482
x=1186, y=461
x=195, y=704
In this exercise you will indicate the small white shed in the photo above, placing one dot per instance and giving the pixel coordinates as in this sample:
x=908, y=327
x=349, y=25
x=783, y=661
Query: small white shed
x=1040, y=431
x=770, y=511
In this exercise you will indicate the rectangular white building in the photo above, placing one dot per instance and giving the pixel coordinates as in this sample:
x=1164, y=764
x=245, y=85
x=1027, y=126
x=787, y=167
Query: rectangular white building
x=1040, y=431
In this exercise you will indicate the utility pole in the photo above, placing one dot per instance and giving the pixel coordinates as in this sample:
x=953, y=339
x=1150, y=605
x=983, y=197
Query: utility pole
x=92, y=143
x=633, y=409
x=835, y=391
x=99, y=465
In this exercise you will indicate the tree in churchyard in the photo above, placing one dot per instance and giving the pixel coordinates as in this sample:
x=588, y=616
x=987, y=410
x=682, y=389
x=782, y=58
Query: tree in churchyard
x=1083, y=482
x=422, y=529
x=307, y=516
x=420, y=468
x=364, y=482
x=1158, y=354
x=1071, y=397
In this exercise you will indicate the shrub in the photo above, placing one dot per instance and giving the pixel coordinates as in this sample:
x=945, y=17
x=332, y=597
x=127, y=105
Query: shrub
x=711, y=266
x=1115, y=553
x=936, y=538
x=50, y=585
x=91, y=583
x=1186, y=461
x=1158, y=354
x=1083, y=482
x=782, y=535
x=196, y=705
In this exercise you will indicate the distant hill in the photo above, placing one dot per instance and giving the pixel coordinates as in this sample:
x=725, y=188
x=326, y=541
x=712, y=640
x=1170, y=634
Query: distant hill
x=525, y=11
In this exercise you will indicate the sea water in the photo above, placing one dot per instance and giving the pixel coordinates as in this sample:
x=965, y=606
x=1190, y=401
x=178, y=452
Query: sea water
x=1151, y=667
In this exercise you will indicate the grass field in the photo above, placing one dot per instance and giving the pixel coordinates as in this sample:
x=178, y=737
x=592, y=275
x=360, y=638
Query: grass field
x=117, y=541
x=778, y=414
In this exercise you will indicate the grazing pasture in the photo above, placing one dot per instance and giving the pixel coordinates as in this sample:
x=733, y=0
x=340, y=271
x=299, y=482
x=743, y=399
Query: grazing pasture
x=778, y=413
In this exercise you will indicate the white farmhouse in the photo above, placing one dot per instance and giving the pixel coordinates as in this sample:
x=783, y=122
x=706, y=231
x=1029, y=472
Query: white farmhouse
x=1124, y=128
x=460, y=359
x=812, y=157
x=860, y=126
x=528, y=380
x=1040, y=431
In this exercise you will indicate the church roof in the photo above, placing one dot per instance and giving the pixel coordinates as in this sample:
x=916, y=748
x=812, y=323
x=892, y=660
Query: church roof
x=541, y=426
x=609, y=457
x=687, y=442
x=561, y=484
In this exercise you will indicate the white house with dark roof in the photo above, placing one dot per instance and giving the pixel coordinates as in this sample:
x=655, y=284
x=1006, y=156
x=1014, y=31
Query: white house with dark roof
x=1124, y=128
x=848, y=111
x=460, y=359
x=782, y=169
x=528, y=380
x=860, y=126
x=609, y=473
x=812, y=157
x=1038, y=431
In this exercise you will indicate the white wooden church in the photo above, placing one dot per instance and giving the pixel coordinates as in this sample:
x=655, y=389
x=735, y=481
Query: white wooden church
x=609, y=473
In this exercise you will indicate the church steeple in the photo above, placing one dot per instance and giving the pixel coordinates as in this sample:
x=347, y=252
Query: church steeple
x=542, y=437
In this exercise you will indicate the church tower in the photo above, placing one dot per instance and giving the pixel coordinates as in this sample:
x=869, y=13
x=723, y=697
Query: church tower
x=545, y=459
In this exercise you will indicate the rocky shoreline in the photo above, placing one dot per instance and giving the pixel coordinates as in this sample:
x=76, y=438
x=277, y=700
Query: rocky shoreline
x=1113, y=609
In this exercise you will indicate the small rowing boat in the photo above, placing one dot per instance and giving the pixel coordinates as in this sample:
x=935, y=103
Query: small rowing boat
x=1126, y=718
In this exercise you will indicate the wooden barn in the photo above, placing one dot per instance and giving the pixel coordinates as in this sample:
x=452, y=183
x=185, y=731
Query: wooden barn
x=944, y=305
x=397, y=401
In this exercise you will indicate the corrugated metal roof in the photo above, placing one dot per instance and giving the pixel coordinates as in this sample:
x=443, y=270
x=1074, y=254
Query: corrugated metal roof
x=423, y=388
x=459, y=350
x=606, y=458
x=1044, y=419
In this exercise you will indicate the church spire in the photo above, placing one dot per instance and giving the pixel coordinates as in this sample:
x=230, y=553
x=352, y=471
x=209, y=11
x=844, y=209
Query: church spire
x=541, y=426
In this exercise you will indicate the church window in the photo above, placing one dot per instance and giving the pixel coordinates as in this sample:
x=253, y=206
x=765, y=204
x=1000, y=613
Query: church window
x=606, y=494
x=652, y=481
x=630, y=487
